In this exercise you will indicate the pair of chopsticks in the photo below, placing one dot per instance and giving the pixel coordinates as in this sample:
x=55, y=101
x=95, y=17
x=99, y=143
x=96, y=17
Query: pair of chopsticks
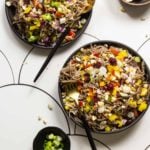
x=52, y=52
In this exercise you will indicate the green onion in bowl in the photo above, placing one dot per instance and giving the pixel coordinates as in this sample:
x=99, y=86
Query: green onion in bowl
x=51, y=138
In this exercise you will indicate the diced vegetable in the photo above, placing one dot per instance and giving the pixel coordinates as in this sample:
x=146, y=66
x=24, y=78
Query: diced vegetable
x=144, y=91
x=33, y=38
x=53, y=142
x=143, y=106
x=137, y=59
x=47, y=17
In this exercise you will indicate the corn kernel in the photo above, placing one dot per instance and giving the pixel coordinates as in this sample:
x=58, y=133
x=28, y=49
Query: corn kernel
x=122, y=55
x=110, y=68
x=132, y=103
x=116, y=68
x=112, y=117
x=139, y=101
x=102, y=83
x=114, y=93
x=119, y=123
x=85, y=58
x=144, y=92
x=143, y=106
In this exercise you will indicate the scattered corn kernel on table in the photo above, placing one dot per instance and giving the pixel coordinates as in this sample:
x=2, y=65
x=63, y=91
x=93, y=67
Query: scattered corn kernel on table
x=27, y=107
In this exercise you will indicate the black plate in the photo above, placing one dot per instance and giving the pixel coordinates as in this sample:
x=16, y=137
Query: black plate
x=115, y=44
x=39, y=139
x=10, y=12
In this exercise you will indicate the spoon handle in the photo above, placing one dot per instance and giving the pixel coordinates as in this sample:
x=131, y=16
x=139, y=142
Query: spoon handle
x=52, y=52
x=88, y=132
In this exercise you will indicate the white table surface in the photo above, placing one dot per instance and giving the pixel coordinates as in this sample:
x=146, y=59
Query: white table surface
x=22, y=102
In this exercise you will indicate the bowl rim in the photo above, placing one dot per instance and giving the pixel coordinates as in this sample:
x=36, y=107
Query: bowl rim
x=50, y=129
x=87, y=15
x=132, y=52
x=136, y=4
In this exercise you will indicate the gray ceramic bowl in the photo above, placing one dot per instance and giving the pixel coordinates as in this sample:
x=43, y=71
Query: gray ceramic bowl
x=138, y=3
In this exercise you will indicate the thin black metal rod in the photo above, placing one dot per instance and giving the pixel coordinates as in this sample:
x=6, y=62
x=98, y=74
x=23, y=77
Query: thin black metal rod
x=52, y=52
x=88, y=132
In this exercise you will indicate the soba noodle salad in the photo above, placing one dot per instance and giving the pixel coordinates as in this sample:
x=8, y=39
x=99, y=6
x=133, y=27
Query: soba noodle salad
x=109, y=86
x=42, y=22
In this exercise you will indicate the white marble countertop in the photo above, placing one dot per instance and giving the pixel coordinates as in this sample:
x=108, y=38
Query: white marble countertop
x=23, y=102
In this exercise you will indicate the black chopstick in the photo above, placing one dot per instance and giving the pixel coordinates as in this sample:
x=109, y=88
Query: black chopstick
x=52, y=52
x=88, y=132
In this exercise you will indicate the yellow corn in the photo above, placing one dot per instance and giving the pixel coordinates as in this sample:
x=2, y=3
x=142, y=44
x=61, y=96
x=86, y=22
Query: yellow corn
x=110, y=68
x=119, y=123
x=138, y=82
x=102, y=83
x=143, y=106
x=112, y=117
x=132, y=103
x=114, y=93
x=122, y=55
x=144, y=92
x=85, y=58
x=116, y=68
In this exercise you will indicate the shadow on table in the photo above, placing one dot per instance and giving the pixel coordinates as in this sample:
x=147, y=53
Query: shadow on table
x=135, y=11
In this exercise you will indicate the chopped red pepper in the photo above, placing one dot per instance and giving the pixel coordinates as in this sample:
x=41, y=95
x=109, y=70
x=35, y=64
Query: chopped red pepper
x=87, y=66
x=116, y=84
x=58, y=14
x=72, y=33
x=96, y=54
x=80, y=103
x=115, y=51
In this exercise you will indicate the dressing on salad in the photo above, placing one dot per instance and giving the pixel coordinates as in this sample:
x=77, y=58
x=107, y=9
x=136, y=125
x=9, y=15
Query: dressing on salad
x=109, y=85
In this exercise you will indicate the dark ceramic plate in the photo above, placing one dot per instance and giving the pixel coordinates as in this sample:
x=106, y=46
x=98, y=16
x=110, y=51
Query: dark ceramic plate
x=137, y=2
x=39, y=139
x=115, y=44
x=10, y=12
